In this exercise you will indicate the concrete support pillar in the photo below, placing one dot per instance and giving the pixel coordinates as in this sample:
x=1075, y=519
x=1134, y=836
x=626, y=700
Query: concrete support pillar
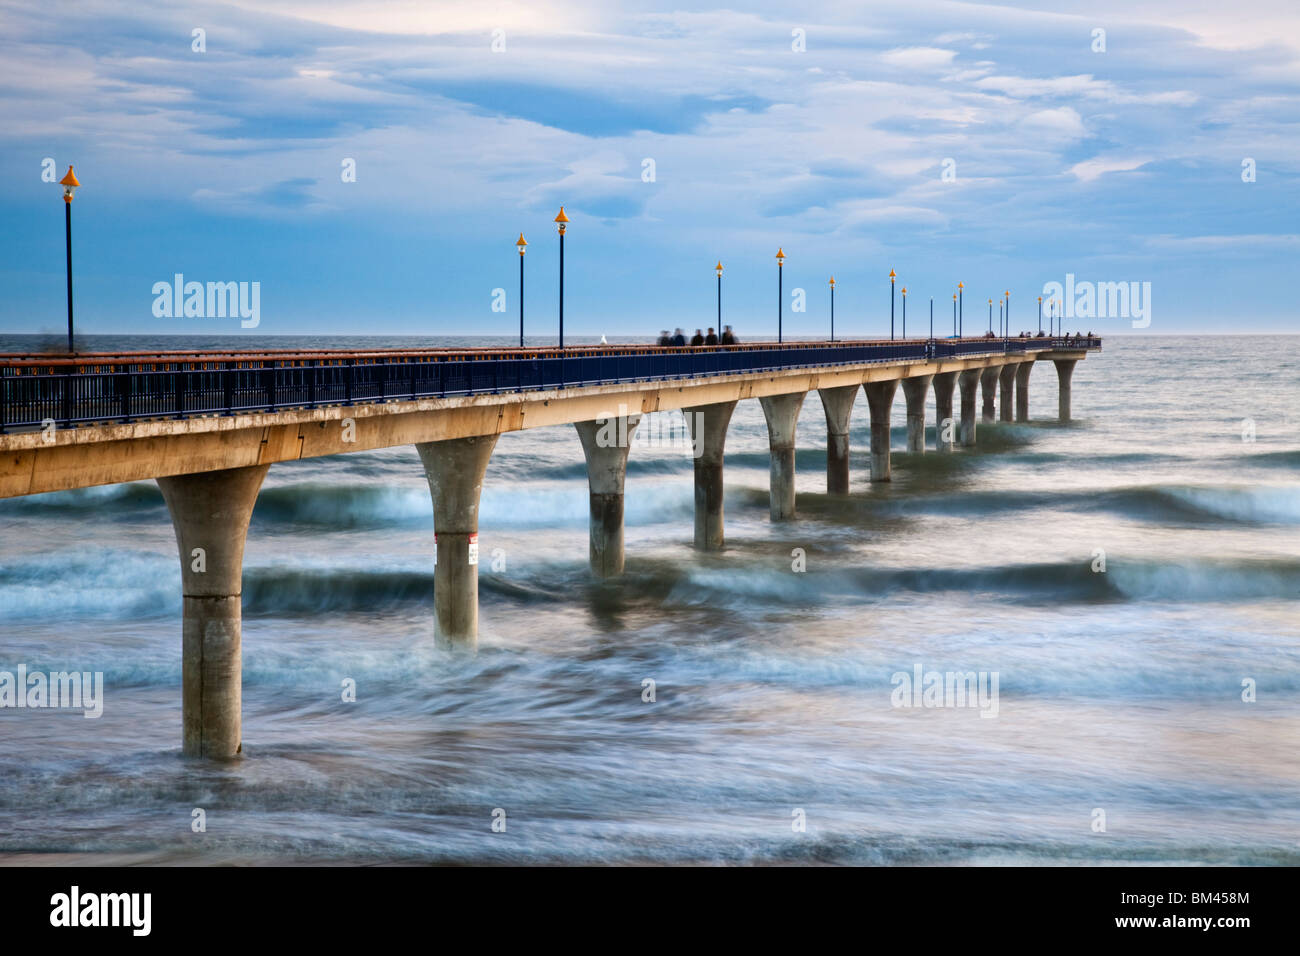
x=944, y=425
x=989, y=386
x=210, y=513
x=707, y=425
x=1022, y=391
x=606, y=443
x=455, y=469
x=837, y=403
x=1006, y=385
x=1064, y=372
x=782, y=413
x=914, y=391
x=968, y=382
x=880, y=399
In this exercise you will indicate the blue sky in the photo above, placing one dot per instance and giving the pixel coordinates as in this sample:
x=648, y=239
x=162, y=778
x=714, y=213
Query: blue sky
x=225, y=165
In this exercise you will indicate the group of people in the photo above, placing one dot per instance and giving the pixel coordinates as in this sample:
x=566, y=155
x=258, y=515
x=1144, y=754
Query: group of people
x=1040, y=335
x=728, y=337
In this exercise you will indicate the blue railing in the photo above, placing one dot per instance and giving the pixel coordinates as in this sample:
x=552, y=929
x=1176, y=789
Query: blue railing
x=122, y=388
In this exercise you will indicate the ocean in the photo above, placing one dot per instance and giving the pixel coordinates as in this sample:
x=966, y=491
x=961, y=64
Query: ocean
x=1132, y=578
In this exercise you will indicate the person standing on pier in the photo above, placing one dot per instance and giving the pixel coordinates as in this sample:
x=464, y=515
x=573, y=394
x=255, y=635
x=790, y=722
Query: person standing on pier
x=697, y=338
x=678, y=338
x=728, y=336
x=711, y=338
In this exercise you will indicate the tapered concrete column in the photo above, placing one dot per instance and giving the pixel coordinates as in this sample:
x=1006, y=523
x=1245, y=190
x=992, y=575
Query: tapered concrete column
x=837, y=403
x=708, y=427
x=782, y=413
x=455, y=469
x=606, y=443
x=914, y=391
x=989, y=386
x=1006, y=385
x=968, y=382
x=210, y=513
x=1022, y=391
x=880, y=399
x=1064, y=372
x=944, y=383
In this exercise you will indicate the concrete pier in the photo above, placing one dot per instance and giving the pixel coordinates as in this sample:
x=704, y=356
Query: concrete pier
x=606, y=443
x=837, y=403
x=210, y=513
x=1064, y=373
x=1022, y=391
x=1006, y=387
x=914, y=391
x=944, y=383
x=708, y=427
x=989, y=388
x=455, y=469
x=968, y=383
x=782, y=414
x=880, y=399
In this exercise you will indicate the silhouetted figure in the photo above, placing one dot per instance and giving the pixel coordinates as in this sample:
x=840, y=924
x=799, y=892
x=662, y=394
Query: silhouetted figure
x=697, y=338
x=664, y=338
x=679, y=338
x=728, y=336
x=711, y=338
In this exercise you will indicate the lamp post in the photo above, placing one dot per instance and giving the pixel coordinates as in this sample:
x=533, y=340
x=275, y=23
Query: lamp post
x=961, y=311
x=904, y=311
x=931, y=316
x=69, y=184
x=954, y=315
x=891, y=305
x=718, y=270
x=990, y=315
x=1002, y=329
x=780, y=291
x=832, y=308
x=522, y=244
x=1040, y=313
x=1008, y=295
x=562, y=219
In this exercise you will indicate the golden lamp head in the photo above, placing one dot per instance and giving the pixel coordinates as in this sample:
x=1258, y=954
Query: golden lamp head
x=780, y=257
x=718, y=268
x=891, y=275
x=832, y=282
x=69, y=184
x=904, y=292
x=522, y=243
x=960, y=286
x=562, y=219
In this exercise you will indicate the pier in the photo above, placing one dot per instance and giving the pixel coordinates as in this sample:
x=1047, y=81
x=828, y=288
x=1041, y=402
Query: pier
x=208, y=426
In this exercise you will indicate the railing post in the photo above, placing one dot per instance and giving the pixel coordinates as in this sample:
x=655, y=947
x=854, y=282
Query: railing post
x=178, y=391
x=268, y=372
x=228, y=387
x=348, y=377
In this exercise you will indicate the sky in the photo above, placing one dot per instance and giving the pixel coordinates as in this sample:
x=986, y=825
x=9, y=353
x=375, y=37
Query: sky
x=1005, y=146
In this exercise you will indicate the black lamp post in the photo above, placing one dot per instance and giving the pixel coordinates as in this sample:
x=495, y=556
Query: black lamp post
x=1040, y=313
x=562, y=219
x=990, y=315
x=522, y=244
x=780, y=292
x=718, y=269
x=904, y=311
x=961, y=310
x=891, y=305
x=69, y=184
x=832, y=308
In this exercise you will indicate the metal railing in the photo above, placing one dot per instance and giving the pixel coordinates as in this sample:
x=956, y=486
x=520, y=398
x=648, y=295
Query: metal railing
x=35, y=390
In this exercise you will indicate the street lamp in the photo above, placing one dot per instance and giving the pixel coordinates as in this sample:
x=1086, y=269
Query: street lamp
x=562, y=219
x=780, y=291
x=1040, y=313
x=832, y=308
x=991, y=315
x=891, y=305
x=904, y=311
x=954, y=315
x=522, y=244
x=931, y=316
x=718, y=270
x=1008, y=295
x=69, y=184
x=961, y=311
